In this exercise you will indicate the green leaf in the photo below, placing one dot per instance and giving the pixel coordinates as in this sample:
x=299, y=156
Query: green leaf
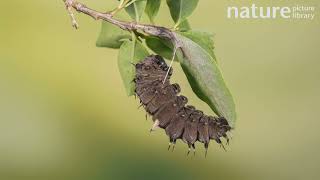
x=111, y=36
x=181, y=9
x=152, y=9
x=205, y=78
x=136, y=9
x=184, y=26
x=203, y=39
x=130, y=53
x=161, y=47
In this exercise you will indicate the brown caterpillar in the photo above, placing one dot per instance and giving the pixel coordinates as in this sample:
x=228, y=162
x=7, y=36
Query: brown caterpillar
x=169, y=111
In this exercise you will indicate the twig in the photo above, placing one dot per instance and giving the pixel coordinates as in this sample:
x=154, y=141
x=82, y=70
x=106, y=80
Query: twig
x=152, y=30
x=73, y=19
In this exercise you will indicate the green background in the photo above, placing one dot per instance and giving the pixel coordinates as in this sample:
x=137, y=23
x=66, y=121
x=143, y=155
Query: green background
x=64, y=113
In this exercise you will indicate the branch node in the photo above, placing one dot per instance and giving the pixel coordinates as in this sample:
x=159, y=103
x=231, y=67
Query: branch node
x=78, y=6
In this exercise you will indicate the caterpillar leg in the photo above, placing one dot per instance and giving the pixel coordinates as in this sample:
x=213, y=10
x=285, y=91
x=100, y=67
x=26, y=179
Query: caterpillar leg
x=223, y=147
x=155, y=125
x=189, y=149
x=172, y=143
x=194, y=149
x=140, y=106
x=206, y=146
x=221, y=144
x=169, y=146
x=227, y=138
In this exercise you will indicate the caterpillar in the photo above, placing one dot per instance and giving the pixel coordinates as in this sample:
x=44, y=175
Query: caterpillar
x=170, y=111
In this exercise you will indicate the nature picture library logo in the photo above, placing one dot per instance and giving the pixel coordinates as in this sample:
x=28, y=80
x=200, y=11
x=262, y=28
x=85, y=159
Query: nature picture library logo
x=299, y=12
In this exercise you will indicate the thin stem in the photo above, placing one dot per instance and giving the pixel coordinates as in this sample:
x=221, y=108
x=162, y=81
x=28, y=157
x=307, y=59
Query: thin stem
x=152, y=30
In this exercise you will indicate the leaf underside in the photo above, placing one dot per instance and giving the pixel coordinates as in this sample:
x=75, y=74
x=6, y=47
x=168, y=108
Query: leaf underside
x=203, y=39
x=111, y=36
x=160, y=46
x=205, y=78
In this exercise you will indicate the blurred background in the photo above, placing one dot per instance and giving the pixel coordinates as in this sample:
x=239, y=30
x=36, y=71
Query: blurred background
x=64, y=113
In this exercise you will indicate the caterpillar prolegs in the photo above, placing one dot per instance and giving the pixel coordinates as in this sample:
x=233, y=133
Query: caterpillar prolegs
x=169, y=110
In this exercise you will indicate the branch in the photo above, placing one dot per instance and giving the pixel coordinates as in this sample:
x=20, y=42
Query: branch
x=158, y=31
